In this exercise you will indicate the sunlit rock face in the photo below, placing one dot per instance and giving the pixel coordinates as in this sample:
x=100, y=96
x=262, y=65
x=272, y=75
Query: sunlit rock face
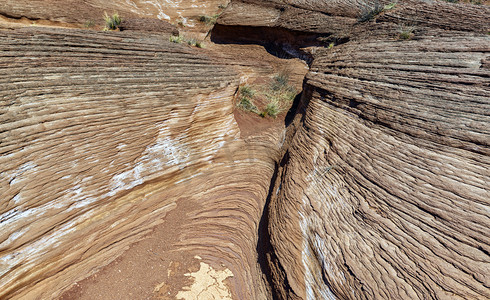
x=378, y=188
x=97, y=129
x=384, y=188
x=185, y=12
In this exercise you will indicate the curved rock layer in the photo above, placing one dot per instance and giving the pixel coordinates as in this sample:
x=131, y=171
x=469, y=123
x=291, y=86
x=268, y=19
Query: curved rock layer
x=101, y=134
x=386, y=185
x=65, y=12
x=384, y=193
x=335, y=17
x=381, y=192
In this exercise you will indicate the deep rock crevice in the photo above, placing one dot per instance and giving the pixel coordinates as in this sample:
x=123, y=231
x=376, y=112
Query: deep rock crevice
x=375, y=190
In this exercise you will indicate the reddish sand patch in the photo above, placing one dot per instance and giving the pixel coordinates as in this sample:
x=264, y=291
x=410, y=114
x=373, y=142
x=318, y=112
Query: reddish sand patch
x=140, y=271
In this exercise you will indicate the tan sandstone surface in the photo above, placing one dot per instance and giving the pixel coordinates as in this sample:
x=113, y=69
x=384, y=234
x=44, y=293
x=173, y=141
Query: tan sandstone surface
x=78, y=13
x=103, y=135
x=128, y=172
x=383, y=191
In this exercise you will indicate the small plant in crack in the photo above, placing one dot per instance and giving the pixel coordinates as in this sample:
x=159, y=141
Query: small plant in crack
x=279, y=95
x=246, y=94
x=279, y=82
x=176, y=39
x=389, y=6
x=406, y=33
x=112, y=22
x=272, y=109
x=189, y=41
x=281, y=89
x=276, y=96
x=369, y=12
x=208, y=20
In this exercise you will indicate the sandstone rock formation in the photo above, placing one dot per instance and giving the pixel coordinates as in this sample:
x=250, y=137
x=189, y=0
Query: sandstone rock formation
x=123, y=152
x=97, y=131
x=79, y=12
x=383, y=191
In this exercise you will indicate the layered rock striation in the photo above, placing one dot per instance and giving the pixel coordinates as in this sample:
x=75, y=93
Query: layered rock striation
x=79, y=12
x=99, y=133
x=377, y=188
x=383, y=191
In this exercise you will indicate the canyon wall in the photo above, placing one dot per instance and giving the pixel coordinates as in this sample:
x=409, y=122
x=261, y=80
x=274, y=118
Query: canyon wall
x=375, y=186
x=383, y=191
x=101, y=135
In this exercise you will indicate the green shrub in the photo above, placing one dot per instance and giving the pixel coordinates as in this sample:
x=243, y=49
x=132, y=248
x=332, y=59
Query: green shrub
x=289, y=94
x=280, y=81
x=176, y=39
x=189, y=41
x=248, y=105
x=389, y=6
x=279, y=93
x=369, y=12
x=246, y=94
x=112, y=22
x=208, y=20
x=405, y=33
x=246, y=91
x=272, y=109
x=199, y=44
x=281, y=89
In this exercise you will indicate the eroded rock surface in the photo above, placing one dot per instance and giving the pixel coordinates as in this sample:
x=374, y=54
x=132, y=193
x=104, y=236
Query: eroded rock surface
x=384, y=190
x=79, y=12
x=98, y=130
x=378, y=189
x=392, y=199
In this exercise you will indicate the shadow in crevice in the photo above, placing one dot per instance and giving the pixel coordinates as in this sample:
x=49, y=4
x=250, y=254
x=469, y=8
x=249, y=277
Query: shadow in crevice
x=280, y=42
x=293, y=110
x=264, y=247
x=268, y=261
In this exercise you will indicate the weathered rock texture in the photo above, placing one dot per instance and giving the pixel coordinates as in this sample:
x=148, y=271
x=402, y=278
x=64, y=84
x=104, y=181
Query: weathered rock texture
x=377, y=190
x=393, y=197
x=148, y=25
x=66, y=12
x=101, y=134
x=383, y=191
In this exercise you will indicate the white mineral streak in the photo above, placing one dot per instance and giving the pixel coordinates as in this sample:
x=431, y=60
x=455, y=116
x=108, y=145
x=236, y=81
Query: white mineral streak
x=208, y=284
x=165, y=155
x=315, y=253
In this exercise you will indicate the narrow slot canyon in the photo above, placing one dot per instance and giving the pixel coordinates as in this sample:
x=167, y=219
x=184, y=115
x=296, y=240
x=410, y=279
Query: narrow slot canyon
x=244, y=150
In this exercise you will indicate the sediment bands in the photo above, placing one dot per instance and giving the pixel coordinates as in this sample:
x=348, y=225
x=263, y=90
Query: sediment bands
x=100, y=135
x=384, y=188
x=386, y=184
x=378, y=189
